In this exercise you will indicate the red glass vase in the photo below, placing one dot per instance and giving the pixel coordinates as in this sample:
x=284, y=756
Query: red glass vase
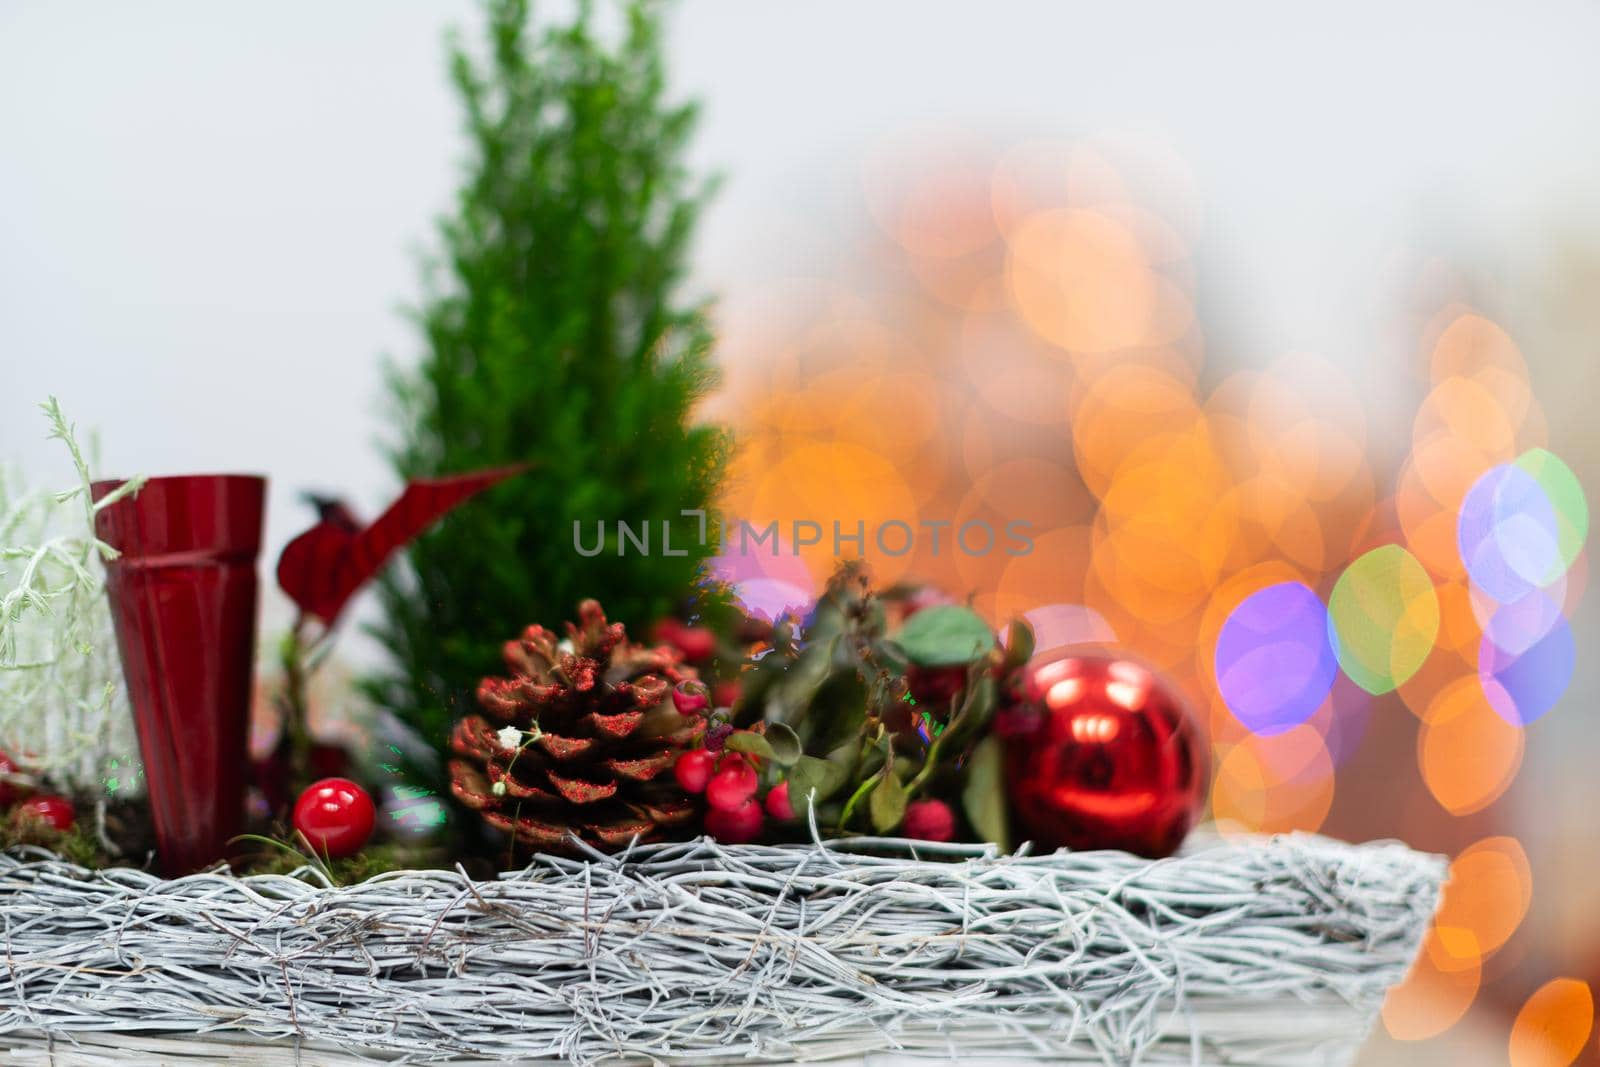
x=183, y=601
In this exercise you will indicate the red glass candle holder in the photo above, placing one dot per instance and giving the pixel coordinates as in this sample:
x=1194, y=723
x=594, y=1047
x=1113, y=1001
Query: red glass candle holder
x=183, y=602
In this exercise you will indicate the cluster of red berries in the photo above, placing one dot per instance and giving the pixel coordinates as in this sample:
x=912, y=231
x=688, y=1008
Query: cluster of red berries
x=735, y=816
x=696, y=643
x=46, y=808
x=728, y=779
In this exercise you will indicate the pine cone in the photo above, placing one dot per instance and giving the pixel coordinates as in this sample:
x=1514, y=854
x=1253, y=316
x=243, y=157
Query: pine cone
x=580, y=740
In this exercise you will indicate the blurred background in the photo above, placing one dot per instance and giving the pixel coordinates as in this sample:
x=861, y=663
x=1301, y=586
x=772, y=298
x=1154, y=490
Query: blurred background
x=1213, y=297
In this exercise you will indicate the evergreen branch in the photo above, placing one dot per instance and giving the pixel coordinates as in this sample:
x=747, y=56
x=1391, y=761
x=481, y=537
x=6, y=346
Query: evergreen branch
x=552, y=330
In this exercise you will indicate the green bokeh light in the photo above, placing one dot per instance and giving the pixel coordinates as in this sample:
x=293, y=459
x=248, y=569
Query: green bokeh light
x=1383, y=617
x=1566, y=497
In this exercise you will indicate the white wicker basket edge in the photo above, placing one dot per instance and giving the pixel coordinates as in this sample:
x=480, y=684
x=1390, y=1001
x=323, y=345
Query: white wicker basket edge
x=1264, y=951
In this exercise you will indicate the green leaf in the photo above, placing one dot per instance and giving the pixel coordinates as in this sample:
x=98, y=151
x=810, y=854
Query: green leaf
x=888, y=803
x=837, y=712
x=944, y=636
x=892, y=656
x=982, y=696
x=984, y=797
x=827, y=622
x=785, y=744
x=1020, y=642
x=807, y=675
x=977, y=708
x=815, y=778
x=750, y=743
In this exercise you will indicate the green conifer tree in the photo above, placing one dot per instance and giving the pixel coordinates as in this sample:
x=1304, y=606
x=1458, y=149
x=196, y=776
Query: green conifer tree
x=554, y=334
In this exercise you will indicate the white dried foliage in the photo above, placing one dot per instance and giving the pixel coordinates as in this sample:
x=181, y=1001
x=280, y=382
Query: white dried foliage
x=1258, y=952
x=63, y=706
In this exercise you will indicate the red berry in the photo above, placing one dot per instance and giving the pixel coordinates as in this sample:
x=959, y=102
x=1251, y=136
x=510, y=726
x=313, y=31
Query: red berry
x=335, y=816
x=690, y=697
x=736, y=826
x=718, y=735
x=57, y=811
x=693, y=770
x=8, y=791
x=935, y=685
x=731, y=786
x=925, y=596
x=726, y=694
x=929, y=820
x=697, y=643
x=778, y=805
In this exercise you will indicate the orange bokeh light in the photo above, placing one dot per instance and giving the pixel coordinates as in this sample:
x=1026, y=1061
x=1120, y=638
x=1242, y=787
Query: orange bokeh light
x=1084, y=281
x=1434, y=996
x=1485, y=899
x=1027, y=348
x=1554, y=1025
x=1467, y=752
x=1273, y=785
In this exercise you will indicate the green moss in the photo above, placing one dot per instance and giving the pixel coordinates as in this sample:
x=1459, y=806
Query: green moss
x=280, y=855
x=78, y=844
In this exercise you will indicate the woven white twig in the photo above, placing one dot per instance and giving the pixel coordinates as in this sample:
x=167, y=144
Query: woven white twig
x=1259, y=952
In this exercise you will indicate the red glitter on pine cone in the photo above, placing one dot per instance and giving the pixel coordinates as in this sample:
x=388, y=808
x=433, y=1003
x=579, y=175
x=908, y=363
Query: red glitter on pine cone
x=598, y=734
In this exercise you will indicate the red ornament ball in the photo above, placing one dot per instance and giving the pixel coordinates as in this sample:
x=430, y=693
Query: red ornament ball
x=55, y=811
x=336, y=816
x=1102, y=754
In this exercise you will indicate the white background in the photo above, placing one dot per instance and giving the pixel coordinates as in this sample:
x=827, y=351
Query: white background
x=209, y=214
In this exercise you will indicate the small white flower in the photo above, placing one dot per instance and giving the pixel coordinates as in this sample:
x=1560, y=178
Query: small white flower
x=566, y=645
x=510, y=738
x=498, y=789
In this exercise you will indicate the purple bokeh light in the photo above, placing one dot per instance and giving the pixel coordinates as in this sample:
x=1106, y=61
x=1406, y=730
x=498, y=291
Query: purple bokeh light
x=1274, y=663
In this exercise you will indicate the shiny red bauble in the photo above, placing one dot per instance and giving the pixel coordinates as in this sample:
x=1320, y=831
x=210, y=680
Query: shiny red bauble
x=335, y=816
x=55, y=811
x=1101, y=754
